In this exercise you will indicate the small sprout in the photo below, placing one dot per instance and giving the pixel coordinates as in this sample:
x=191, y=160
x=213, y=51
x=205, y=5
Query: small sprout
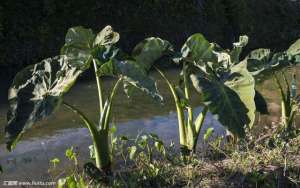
x=55, y=161
x=208, y=134
x=71, y=155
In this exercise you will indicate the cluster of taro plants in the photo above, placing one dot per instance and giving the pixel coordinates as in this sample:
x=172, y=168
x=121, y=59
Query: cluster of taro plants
x=37, y=91
x=225, y=84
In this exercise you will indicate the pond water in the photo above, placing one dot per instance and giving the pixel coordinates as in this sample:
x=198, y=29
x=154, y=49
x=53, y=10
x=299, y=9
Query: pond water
x=139, y=114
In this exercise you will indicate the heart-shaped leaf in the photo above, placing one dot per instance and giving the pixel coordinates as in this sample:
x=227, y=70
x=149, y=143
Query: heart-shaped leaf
x=78, y=45
x=37, y=92
x=82, y=46
x=147, y=52
x=224, y=103
x=198, y=50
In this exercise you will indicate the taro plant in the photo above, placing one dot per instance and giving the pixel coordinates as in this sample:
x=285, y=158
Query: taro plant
x=263, y=62
x=37, y=91
x=290, y=102
x=227, y=89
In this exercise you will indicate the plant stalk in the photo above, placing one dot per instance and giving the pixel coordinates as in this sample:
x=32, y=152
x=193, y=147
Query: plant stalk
x=100, y=155
x=179, y=109
x=190, y=125
x=99, y=87
x=198, y=126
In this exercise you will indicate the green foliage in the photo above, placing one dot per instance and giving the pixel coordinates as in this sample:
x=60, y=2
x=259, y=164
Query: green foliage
x=223, y=101
x=74, y=178
x=71, y=182
x=55, y=162
x=82, y=46
x=263, y=62
x=225, y=85
x=37, y=91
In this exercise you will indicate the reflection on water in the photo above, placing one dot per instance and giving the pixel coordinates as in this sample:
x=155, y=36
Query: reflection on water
x=50, y=138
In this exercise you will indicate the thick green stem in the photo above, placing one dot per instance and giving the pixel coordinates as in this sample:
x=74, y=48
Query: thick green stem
x=180, y=112
x=101, y=154
x=198, y=126
x=112, y=94
x=190, y=125
x=284, y=103
x=99, y=87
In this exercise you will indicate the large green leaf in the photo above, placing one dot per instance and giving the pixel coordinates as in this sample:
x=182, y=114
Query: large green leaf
x=263, y=62
x=78, y=45
x=258, y=60
x=243, y=83
x=132, y=73
x=198, y=50
x=147, y=52
x=37, y=92
x=81, y=45
x=224, y=103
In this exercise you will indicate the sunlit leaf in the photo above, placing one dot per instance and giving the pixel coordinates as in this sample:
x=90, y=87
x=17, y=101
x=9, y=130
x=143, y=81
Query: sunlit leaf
x=294, y=49
x=82, y=46
x=224, y=103
x=197, y=49
x=78, y=45
x=36, y=93
x=243, y=83
x=106, y=37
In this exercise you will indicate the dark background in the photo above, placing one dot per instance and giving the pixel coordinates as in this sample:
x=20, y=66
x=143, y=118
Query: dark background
x=31, y=30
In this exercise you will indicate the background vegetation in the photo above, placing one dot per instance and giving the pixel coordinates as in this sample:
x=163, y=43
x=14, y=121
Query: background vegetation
x=32, y=30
